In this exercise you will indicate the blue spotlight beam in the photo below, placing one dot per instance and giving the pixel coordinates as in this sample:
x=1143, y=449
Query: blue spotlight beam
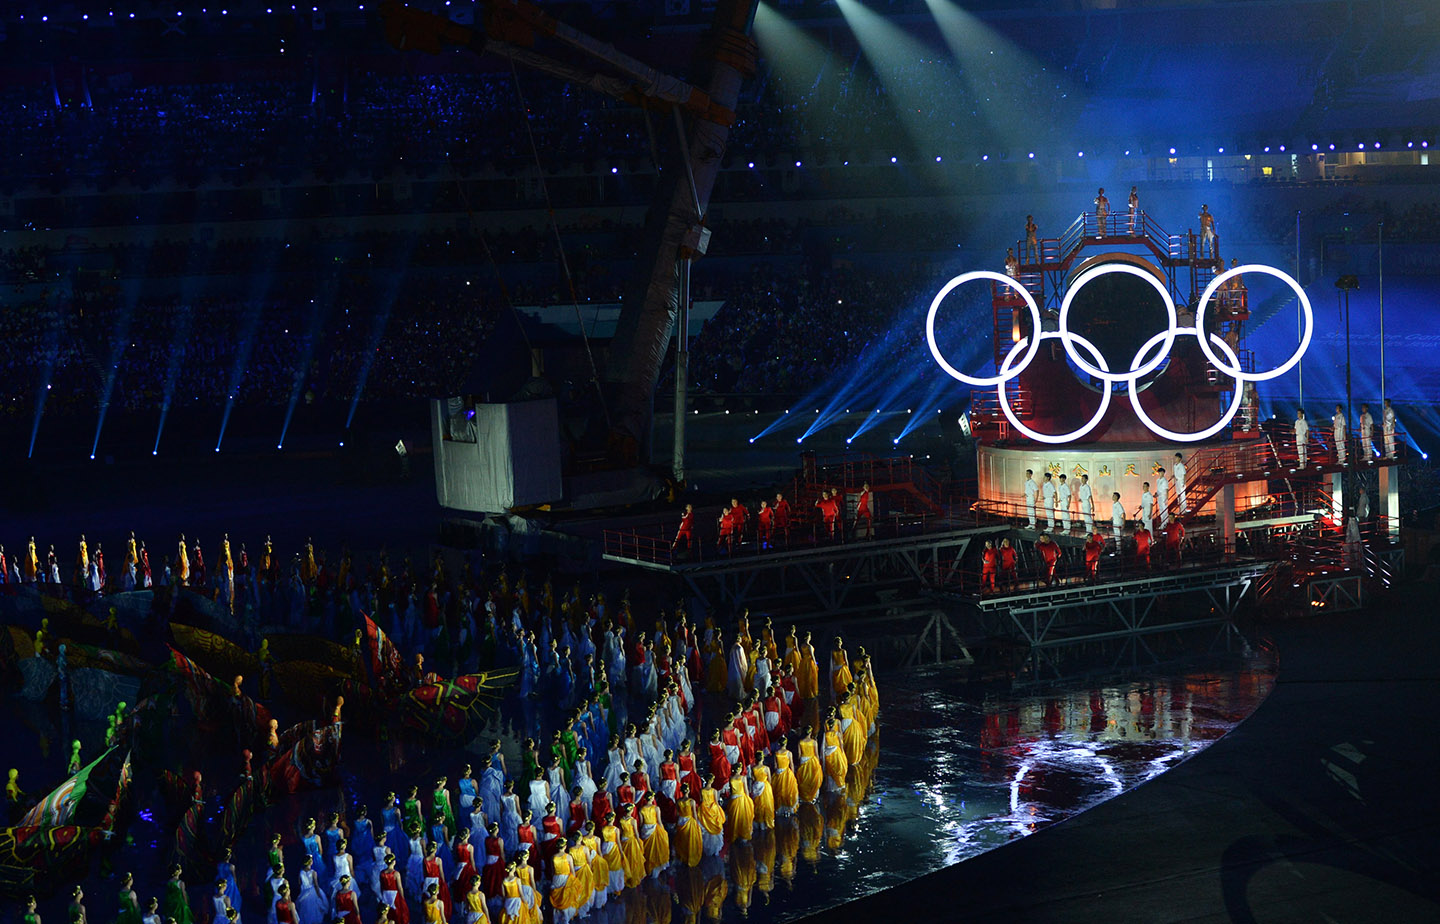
x=319, y=308
x=179, y=336
x=119, y=340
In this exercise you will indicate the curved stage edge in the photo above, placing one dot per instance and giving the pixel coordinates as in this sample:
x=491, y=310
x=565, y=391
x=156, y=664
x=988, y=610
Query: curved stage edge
x=1318, y=806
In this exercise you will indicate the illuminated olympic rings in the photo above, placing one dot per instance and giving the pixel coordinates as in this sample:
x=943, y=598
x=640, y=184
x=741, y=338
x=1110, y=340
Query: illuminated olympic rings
x=1141, y=365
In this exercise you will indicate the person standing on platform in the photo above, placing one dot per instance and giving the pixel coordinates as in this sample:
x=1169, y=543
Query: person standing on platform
x=764, y=525
x=1367, y=433
x=1162, y=496
x=1173, y=537
x=1340, y=431
x=864, y=521
x=1146, y=510
x=1087, y=503
x=988, y=560
x=1094, y=545
x=686, y=530
x=1062, y=500
x=1007, y=563
x=1178, y=470
x=1031, y=488
x=1012, y=265
x=1302, y=439
x=1134, y=203
x=1142, y=546
x=1117, y=515
x=1049, y=551
x=1207, y=231
x=782, y=517
x=742, y=519
x=1387, y=429
x=1102, y=212
x=1048, y=489
x=1032, y=246
x=726, y=542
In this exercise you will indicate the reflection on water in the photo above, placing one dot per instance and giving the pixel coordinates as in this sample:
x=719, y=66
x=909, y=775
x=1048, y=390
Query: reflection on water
x=962, y=770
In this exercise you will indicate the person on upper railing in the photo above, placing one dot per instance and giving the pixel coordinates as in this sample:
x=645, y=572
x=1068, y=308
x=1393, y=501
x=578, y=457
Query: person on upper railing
x=1102, y=212
x=1134, y=203
x=1207, y=231
x=1032, y=246
x=1012, y=265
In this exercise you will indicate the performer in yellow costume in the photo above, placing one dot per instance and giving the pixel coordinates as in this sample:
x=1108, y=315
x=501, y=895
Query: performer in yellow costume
x=739, y=809
x=809, y=775
x=839, y=669
x=654, y=836
x=833, y=754
x=787, y=790
x=688, y=845
x=182, y=563
x=632, y=851
x=614, y=855
x=763, y=795
x=712, y=819
x=852, y=727
x=512, y=905
x=807, y=679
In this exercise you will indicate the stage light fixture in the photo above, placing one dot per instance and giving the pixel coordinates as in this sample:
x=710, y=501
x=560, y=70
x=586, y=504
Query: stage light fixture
x=1267, y=149
x=1032, y=155
x=1221, y=151
x=1332, y=147
x=751, y=165
x=1282, y=148
x=937, y=158
x=1172, y=150
x=797, y=163
x=892, y=160
x=984, y=156
x=1079, y=153
x=1314, y=147
x=614, y=169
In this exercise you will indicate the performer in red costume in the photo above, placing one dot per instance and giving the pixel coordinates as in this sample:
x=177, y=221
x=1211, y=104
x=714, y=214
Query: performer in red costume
x=686, y=530
x=765, y=523
x=988, y=560
x=742, y=518
x=1007, y=563
x=347, y=907
x=689, y=780
x=727, y=530
x=1050, y=554
x=493, y=873
x=1093, y=546
x=1142, y=547
x=782, y=517
x=864, y=522
x=392, y=888
x=1174, y=535
x=434, y=870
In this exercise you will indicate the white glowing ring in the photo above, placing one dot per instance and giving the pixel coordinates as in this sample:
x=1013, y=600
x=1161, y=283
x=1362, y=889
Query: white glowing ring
x=1235, y=372
x=1135, y=374
x=1209, y=431
x=1033, y=342
x=1047, y=437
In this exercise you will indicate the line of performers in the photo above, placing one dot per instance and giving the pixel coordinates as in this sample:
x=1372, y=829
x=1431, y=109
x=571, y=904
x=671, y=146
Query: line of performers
x=1063, y=506
x=999, y=565
x=773, y=523
x=1341, y=436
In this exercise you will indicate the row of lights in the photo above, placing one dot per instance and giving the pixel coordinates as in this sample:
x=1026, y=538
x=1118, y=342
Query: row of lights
x=1362, y=146
x=180, y=14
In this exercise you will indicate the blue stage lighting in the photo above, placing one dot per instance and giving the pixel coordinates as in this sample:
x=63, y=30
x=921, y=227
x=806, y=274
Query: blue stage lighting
x=1332, y=147
x=1032, y=155
x=1267, y=149
x=892, y=160
x=1314, y=147
x=751, y=165
x=1221, y=151
x=937, y=158
x=797, y=163
x=1079, y=153
x=614, y=169
x=984, y=156
x=1172, y=150
x=1127, y=153
x=1282, y=147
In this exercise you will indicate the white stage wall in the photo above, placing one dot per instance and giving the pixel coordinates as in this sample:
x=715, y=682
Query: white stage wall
x=514, y=460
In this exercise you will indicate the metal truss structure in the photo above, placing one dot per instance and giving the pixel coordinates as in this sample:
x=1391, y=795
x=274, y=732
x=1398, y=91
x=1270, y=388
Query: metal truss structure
x=1118, y=609
x=826, y=580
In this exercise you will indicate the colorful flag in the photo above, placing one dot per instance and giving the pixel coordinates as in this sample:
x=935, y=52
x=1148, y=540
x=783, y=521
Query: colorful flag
x=59, y=806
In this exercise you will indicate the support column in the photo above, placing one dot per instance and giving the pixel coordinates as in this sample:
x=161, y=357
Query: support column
x=1337, y=497
x=1225, y=513
x=1390, y=500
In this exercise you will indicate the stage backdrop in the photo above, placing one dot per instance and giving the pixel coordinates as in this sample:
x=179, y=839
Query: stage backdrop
x=1122, y=467
x=504, y=456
